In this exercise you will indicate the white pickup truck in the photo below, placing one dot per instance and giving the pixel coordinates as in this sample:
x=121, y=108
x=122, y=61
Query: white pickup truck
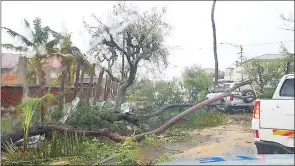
x=273, y=120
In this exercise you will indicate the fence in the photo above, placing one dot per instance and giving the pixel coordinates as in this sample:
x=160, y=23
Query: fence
x=11, y=96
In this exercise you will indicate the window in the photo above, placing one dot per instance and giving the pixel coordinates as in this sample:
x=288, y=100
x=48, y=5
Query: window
x=287, y=89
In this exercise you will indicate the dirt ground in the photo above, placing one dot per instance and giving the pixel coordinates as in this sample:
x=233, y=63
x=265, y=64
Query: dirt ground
x=225, y=140
x=232, y=138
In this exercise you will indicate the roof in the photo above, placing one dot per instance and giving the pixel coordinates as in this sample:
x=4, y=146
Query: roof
x=270, y=56
x=267, y=57
x=9, y=60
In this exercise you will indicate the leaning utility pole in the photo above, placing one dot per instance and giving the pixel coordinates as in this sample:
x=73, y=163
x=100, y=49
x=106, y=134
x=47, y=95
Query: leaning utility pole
x=216, y=75
x=241, y=57
x=241, y=61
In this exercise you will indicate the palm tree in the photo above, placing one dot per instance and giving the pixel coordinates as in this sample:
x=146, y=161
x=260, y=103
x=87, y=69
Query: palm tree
x=68, y=64
x=39, y=44
x=28, y=112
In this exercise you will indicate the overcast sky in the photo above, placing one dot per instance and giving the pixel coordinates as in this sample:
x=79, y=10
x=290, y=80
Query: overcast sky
x=238, y=22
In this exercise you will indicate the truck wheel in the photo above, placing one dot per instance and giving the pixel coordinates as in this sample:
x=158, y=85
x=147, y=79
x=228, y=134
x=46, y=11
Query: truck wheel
x=249, y=92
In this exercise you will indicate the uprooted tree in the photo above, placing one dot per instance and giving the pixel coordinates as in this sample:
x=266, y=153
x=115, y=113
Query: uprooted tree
x=143, y=33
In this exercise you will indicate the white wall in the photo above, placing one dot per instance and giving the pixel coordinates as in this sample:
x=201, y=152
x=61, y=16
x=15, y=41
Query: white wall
x=234, y=74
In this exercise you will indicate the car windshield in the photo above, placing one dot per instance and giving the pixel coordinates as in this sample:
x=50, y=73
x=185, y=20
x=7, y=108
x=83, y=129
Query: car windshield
x=133, y=82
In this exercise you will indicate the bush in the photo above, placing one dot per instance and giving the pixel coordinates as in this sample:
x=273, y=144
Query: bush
x=265, y=95
x=10, y=124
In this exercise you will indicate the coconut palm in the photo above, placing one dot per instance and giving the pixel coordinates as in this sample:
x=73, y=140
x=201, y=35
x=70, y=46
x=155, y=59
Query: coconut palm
x=69, y=65
x=40, y=45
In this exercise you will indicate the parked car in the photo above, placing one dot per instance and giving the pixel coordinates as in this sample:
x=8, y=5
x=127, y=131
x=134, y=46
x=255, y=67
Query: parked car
x=242, y=99
x=273, y=120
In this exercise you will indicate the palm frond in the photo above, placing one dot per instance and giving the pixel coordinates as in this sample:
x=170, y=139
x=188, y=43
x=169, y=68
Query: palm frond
x=50, y=45
x=41, y=34
x=27, y=24
x=55, y=34
x=15, y=48
x=15, y=34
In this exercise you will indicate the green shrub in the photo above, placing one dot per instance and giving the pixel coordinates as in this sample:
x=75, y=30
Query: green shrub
x=265, y=95
x=10, y=124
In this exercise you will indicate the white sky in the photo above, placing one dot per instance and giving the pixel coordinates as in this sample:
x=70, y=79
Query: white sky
x=237, y=22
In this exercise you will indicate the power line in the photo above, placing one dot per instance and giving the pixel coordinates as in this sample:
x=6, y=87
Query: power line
x=268, y=43
x=249, y=45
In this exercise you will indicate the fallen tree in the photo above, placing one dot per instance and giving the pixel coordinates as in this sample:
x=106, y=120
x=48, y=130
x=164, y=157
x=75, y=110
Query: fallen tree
x=134, y=119
x=40, y=129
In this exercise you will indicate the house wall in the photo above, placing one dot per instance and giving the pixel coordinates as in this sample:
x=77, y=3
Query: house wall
x=234, y=74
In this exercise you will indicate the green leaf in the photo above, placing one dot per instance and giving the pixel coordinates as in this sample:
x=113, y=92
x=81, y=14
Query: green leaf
x=15, y=34
x=15, y=48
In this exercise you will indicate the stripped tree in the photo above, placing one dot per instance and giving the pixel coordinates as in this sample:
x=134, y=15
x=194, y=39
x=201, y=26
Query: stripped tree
x=144, y=37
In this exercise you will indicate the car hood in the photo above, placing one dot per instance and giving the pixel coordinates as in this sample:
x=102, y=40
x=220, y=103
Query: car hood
x=275, y=159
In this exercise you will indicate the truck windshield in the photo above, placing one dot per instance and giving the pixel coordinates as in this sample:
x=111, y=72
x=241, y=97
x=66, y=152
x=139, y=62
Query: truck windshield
x=287, y=89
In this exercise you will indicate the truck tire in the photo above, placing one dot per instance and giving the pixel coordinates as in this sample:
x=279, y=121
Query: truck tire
x=249, y=92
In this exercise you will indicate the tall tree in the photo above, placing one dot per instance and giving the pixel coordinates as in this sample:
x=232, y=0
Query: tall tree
x=192, y=71
x=289, y=26
x=264, y=73
x=144, y=42
x=214, y=43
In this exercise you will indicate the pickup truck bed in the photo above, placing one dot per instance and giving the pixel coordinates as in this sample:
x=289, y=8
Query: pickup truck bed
x=273, y=120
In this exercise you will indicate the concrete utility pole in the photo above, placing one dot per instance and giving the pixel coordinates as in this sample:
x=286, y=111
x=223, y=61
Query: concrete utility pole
x=241, y=57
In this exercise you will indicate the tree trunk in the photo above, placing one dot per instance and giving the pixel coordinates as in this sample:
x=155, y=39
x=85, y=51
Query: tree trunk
x=107, y=88
x=98, y=85
x=47, y=129
x=288, y=65
x=23, y=73
x=42, y=82
x=120, y=99
x=214, y=44
x=77, y=77
x=123, y=63
x=90, y=87
x=62, y=90
x=82, y=79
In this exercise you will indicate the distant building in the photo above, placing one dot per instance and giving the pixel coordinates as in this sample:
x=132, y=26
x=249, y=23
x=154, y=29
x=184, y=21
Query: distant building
x=11, y=70
x=13, y=67
x=234, y=72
